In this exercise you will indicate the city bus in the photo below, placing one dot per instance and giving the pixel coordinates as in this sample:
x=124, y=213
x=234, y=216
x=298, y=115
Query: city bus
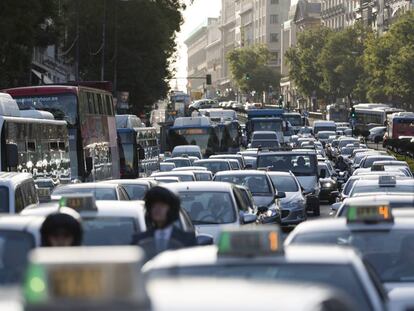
x=372, y=115
x=337, y=113
x=400, y=124
x=89, y=113
x=139, y=152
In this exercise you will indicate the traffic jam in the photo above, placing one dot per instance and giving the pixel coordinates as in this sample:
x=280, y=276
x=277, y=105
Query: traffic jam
x=218, y=209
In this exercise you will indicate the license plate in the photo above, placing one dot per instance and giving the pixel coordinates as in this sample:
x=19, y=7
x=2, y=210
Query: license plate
x=44, y=192
x=77, y=283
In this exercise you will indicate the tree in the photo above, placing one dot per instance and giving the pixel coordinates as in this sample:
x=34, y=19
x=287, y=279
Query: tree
x=303, y=60
x=341, y=60
x=140, y=44
x=250, y=70
x=23, y=25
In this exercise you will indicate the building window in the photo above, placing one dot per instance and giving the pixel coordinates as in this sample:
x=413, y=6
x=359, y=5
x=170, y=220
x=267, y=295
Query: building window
x=274, y=56
x=274, y=37
x=274, y=19
x=274, y=1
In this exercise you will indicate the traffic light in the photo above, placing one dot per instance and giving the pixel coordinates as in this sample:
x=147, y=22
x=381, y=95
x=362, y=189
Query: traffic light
x=247, y=76
x=208, y=79
x=353, y=114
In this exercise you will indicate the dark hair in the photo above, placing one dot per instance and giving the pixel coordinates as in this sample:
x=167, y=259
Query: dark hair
x=58, y=222
x=162, y=195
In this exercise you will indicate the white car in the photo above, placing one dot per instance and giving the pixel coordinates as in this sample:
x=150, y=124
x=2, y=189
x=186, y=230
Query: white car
x=212, y=205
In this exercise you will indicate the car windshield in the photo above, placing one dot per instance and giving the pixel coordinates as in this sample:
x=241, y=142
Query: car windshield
x=257, y=184
x=44, y=184
x=14, y=249
x=264, y=136
x=214, y=167
x=339, y=276
x=284, y=183
x=99, y=193
x=325, y=135
x=187, y=152
x=346, y=151
x=271, y=125
x=264, y=143
x=369, y=161
x=358, y=189
x=108, y=231
x=299, y=164
x=208, y=207
x=179, y=162
x=234, y=165
x=202, y=176
x=166, y=167
x=390, y=252
x=348, y=186
x=344, y=142
x=135, y=192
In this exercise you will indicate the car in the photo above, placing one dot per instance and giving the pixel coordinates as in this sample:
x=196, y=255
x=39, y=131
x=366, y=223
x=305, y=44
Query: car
x=356, y=160
x=323, y=126
x=327, y=179
x=260, y=185
x=343, y=141
x=382, y=185
x=293, y=205
x=303, y=164
x=264, y=144
x=376, y=134
x=212, y=205
x=100, y=191
x=44, y=187
x=405, y=200
x=182, y=175
x=235, y=165
x=214, y=165
x=167, y=166
x=179, y=161
x=259, y=254
x=189, y=168
x=189, y=293
x=17, y=191
x=201, y=173
x=247, y=196
x=381, y=168
x=368, y=160
x=135, y=188
x=163, y=179
x=187, y=150
x=382, y=240
x=237, y=157
x=323, y=136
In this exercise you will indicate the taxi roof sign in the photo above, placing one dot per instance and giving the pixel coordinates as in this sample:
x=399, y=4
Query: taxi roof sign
x=370, y=213
x=251, y=242
x=78, y=201
x=70, y=277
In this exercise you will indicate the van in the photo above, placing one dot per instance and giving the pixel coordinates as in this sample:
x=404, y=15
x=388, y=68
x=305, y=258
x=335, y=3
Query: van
x=324, y=126
x=17, y=191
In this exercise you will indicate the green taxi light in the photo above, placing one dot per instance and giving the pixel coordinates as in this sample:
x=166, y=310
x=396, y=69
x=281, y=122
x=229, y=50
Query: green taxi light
x=35, y=285
x=250, y=242
x=78, y=202
x=378, y=213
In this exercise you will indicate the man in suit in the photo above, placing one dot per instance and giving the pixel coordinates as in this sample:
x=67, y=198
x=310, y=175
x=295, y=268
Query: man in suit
x=162, y=208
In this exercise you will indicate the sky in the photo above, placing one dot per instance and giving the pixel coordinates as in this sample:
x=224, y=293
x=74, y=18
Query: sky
x=194, y=16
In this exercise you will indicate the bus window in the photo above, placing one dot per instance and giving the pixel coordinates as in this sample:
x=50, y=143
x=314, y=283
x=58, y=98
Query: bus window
x=31, y=146
x=110, y=107
x=101, y=109
x=91, y=106
x=4, y=198
x=18, y=200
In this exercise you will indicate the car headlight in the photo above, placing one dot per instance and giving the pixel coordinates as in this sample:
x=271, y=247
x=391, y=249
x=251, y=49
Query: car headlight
x=271, y=212
x=327, y=185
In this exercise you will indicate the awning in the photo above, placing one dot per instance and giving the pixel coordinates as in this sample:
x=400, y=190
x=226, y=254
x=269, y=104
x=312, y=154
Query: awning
x=42, y=77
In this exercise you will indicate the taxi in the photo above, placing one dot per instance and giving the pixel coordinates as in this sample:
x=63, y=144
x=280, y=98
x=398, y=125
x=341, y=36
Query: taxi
x=182, y=175
x=385, y=242
x=383, y=185
x=135, y=188
x=258, y=253
x=85, y=278
x=100, y=191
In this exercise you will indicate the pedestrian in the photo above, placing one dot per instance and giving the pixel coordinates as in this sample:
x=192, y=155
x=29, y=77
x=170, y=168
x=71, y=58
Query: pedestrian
x=162, y=210
x=62, y=229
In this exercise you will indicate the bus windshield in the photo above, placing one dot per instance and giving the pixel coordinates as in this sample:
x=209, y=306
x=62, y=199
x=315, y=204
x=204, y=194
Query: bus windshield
x=298, y=164
x=205, y=138
x=294, y=120
x=62, y=106
x=270, y=125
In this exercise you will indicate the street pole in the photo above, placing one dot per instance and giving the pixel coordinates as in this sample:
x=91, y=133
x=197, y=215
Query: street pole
x=77, y=41
x=116, y=49
x=103, y=43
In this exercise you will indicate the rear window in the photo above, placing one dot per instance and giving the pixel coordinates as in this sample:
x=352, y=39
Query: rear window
x=284, y=183
x=108, y=194
x=109, y=231
x=136, y=192
x=4, y=198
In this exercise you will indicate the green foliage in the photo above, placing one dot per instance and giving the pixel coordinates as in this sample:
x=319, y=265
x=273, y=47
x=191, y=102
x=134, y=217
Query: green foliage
x=145, y=35
x=303, y=61
x=23, y=25
x=250, y=71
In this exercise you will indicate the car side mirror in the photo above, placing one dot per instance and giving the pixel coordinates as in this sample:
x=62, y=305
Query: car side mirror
x=280, y=195
x=89, y=164
x=12, y=155
x=249, y=218
x=204, y=239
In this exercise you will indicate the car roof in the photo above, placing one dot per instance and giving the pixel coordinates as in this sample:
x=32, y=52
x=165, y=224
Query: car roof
x=211, y=160
x=134, y=209
x=291, y=152
x=19, y=222
x=176, y=158
x=225, y=156
x=278, y=173
x=370, y=182
x=186, y=147
x=128, y=182
x=12, y=178
x=94, y=185
x=189, y=168
x=172, y=173
x=241, y=172
x=208, y=255
x=201, y=186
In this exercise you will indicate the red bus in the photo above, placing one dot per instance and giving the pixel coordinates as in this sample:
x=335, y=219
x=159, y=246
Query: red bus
x=400, y=124
x=89, y=113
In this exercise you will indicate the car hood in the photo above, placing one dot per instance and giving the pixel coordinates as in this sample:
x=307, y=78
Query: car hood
x=308, y=182
x=261, y=200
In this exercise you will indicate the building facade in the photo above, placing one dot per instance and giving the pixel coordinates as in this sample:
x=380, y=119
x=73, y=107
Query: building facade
x=214, y=58
x=338, y=14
